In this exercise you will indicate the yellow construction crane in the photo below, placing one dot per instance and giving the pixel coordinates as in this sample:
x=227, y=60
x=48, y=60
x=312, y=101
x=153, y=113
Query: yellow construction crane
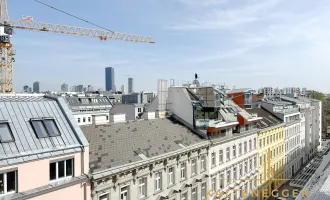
x=27, y=22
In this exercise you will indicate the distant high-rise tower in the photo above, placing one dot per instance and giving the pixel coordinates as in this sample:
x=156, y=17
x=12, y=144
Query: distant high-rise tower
x=109, y=79
x=64, y=88
x=123, y=89
x=36, y=87
x=27, y=89
x=80, y=88
x=130, y=85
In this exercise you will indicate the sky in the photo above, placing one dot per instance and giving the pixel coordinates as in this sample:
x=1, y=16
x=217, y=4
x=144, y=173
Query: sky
x=242, y=43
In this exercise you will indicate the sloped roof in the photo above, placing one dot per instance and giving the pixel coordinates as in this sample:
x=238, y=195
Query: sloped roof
x=86, y=103
x=268, y=118
x=117, y=144
x=17, y=110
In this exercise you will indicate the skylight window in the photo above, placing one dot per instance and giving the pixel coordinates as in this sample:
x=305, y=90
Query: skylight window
x=5, y=133
x=45, y=128
x=51, y=127
x=39, y=128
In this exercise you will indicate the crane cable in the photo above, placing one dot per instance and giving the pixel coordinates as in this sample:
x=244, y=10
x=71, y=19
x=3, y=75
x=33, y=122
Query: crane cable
x=79, y=18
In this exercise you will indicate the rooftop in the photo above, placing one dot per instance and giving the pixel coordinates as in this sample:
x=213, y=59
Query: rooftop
x=268, y=119
x=36, y=126
x=88, y=103
x=137, y=140
x=238, y=90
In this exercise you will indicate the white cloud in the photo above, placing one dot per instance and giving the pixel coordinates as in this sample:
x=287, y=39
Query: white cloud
x=218, y=18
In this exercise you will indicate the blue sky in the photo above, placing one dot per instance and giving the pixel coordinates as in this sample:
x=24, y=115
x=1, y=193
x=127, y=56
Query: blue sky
x=246, y=43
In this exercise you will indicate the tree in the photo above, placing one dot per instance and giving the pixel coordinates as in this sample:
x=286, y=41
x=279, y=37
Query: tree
x=317, y=95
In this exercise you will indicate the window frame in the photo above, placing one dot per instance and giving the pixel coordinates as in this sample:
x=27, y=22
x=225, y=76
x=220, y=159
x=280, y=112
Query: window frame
x=172, y=175
x=143, y=187
x=65, y=166
x=4, y=173
x=203, y=163
x=158, y=180
x=193, y=166
x=183, y=171
x=55, y=125
x=107, y=194
x=10, y=132
x=42, y=120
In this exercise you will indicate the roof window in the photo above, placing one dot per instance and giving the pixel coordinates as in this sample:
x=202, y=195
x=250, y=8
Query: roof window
x=45, y=128
x=5, y=133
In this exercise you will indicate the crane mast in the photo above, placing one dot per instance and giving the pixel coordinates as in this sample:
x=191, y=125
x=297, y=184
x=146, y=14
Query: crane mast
x=6, y=50
x=27, y=23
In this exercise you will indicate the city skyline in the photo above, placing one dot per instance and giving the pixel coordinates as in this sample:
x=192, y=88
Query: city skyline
x=264, y=40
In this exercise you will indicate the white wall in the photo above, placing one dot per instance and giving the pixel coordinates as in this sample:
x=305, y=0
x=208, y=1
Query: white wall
x=179, y=103
x=222, y=168
x=80, y=117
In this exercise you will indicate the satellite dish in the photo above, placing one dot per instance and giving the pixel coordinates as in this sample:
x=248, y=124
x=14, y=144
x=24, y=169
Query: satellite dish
x=196, y=76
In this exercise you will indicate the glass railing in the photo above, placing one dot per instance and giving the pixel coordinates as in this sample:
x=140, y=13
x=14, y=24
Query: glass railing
x=205, y=123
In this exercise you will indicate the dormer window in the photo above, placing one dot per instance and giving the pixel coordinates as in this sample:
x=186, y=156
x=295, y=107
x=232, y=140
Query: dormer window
x=45, y=128
x=5, y=133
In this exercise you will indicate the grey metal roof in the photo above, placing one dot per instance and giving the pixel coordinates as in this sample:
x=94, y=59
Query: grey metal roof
x=128, y=109
x=88, y=103
x=18, y=110
x=268, y=118
x=117, y=144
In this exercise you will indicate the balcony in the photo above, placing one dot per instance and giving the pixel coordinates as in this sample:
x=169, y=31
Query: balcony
x=205, y=123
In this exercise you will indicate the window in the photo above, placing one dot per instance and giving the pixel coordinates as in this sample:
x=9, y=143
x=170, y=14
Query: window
x=213, y=158
x=234, y=174
x=5, y=133
x=158, y=181
x=245, y=147
x=139, y=109
x=255, y=161
x=214, y=184
x=228, y=177
x=89, y=119
x=220, y=156
x=228, y=153
x=8, y=182
x=61, y=169
x=143, y=187
x=78, y=120
x=240, y=149
x=104, y=196
x=124, y=193
x=45, y=128
x=260, y=143
x=171, y=176
x=250, y=145
x=183, y=171
x=254, y=143
x=203, y=163
x=107, y=117
x=240, y=170
x=234, y=151
x=246, y=167
x=193, y=167
x=222, y=181
x=251, y=164
x=203, y=191
x=51, y=127
x=184, y=196
x=39, y=128
x=194, y=194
